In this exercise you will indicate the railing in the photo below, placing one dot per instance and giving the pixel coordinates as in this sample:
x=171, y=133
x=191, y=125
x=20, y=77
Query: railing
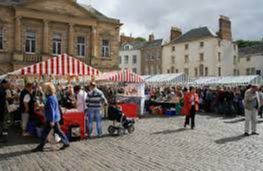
x=32, y=58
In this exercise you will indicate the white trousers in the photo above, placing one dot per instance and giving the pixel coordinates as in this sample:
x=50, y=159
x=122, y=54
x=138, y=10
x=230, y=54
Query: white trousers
x=251, y=118
x=25, y=119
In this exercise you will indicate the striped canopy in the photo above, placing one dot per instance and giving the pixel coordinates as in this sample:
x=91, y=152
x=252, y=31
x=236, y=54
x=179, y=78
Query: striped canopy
x=121, y=76
x=59, y=66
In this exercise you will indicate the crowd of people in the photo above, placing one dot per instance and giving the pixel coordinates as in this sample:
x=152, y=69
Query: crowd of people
x=20, y=105
x=227, y=101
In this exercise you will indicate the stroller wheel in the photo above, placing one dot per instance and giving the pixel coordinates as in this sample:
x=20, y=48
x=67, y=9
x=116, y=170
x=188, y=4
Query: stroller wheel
x=131, y=129
x=111, y=130
x=121, y=131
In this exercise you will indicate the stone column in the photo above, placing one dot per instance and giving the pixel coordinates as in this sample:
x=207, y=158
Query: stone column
x=93, y=42
x=18, y=43
x=71, y=39
x=46, y=37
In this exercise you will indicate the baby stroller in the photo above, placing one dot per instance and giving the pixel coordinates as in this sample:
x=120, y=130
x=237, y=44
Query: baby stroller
x=116, y=115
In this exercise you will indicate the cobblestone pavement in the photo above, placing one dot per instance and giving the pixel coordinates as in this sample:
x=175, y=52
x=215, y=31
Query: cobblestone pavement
x=157, y=144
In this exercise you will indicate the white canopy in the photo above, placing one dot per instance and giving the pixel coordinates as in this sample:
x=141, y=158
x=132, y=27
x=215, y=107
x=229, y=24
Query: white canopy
x=166, y=78
x=228, y=80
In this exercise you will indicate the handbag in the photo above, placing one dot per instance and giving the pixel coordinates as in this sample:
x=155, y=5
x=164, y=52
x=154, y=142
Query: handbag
x=11, y=107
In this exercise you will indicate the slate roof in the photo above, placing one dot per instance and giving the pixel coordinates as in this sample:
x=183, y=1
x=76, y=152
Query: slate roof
x=154, y=44
x=195, y=34
x=136, y=45
x=257, y=49
x=89, y=8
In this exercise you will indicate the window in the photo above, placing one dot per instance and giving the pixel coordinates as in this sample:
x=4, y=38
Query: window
x=201, y=44
x=172, y=69
x=176, y=71
x=251, y=71
x=168, y=71
x=81, y=46
x=219, y=57
x=134, y=59
x=173, y=60
x=1, y=38
x=201, y=56
x=153, y=57
x=186, y=46
x=206, y=71
x=30, y=42
x=248, y=71
x=120, y=61
x=186, y=71
x=258, y=72
x=173, y=48
x=236, y=72
x=235, y=59
x=201, y=70
x=57, y=40
x=126, y=59
x=248, y=58
x=134, y=70
x=219, y=43
x=105, y=48
x=219, y=71
x=126, y=47
x=186, y=59
x=196, y=72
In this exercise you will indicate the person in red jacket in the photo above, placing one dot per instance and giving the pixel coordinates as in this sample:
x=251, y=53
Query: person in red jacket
x=190, y=107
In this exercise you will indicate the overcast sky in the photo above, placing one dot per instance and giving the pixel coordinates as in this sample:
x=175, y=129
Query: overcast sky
x=141, y=17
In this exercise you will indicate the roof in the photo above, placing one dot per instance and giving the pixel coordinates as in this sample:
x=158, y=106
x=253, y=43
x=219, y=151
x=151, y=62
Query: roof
x=88, y=8
x=154, y=43
x=257, y=49
x=166, y=78
x=136, y=45
x=98, y=14
x=195, y=34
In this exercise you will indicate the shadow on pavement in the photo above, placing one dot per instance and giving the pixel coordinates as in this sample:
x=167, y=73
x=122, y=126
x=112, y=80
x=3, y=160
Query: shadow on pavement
x=230, y=139
x=170, y=131
x=7, y=156
x=235, y=120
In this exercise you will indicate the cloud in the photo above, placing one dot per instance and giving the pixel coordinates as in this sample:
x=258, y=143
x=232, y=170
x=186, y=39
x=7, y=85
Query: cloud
x=142, y=17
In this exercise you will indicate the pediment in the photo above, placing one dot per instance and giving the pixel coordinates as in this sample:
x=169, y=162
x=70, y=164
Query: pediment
x=65, y=7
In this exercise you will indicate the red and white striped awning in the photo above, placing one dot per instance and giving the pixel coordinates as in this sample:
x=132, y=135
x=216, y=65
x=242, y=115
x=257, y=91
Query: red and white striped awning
x=121, y=76
x=59, y=66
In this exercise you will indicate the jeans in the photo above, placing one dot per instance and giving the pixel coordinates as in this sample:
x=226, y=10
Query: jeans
x=57, y=130
x=94, y=113
x=24, y=121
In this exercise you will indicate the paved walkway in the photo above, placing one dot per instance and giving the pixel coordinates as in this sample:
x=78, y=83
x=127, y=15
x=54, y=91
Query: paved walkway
x=157, y=144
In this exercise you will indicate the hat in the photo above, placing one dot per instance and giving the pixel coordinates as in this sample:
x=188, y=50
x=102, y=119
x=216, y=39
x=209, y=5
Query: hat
x=4, y=81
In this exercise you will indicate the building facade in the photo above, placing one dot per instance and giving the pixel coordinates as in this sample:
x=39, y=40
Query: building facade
x=250, y=60
x=33, y=30
x=200, y=52
x=130, y=56
x=151, y=61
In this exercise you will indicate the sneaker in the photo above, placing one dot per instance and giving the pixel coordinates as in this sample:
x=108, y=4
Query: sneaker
x=255, y=133
x=25, y=134
x=38, y=149
x=246, y=134
x=64, y=147
x=5, y=133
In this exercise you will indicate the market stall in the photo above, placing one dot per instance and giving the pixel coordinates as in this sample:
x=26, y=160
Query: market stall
x=131, y=90
x=61, y=67
x=227, y=80
x=166, y=79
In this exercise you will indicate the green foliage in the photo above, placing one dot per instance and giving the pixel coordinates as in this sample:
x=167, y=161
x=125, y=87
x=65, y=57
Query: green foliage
x=140, y=39
x=247, y=43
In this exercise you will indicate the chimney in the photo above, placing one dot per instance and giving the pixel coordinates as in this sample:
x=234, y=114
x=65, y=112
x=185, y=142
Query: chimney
x=175, y=33
x=225, y=28
x=151, y=37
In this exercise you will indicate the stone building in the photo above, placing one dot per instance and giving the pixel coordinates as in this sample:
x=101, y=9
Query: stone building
x=130, y=56
x=33, y=30
x=151, y=60
x=250, y=61
x=201, y=52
